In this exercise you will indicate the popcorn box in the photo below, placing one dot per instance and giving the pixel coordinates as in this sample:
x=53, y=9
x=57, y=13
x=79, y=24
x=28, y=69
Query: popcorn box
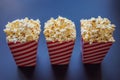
x=60, y=53
x=94, y=53
x=24, y=53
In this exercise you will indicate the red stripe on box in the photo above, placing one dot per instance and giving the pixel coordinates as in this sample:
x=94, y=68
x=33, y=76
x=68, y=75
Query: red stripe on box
x=94, y=57
x=54, y=44
x=60, y=58
x=34, y=61
x=19, y=49
x=94, y=60
x=67, y=61
x=58, y=55
x=61, y=49
x=91, y=55
x=18, y=44
x=57, y=42
x=12, y=43
x=85, y=45
x=27, y=59
x=61, y=61
x=96, y=47
x=50, y=42
x=60, y=46
x=14, y=50
x=95, y=51
x=96, y=44
x=24, y=53
x=27, y=63
x=33, y=64
x=30, y=64
x=60, y=52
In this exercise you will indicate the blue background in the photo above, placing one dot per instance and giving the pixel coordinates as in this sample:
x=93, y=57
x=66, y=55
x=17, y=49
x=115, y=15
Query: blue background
x=71, y=9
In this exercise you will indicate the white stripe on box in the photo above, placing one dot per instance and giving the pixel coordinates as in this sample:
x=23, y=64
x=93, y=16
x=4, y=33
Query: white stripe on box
x=23, y=47
x=93, y=57
x=87, y=45
x=100, y=56
x=92, y=54
x=94, y=61
x=27, y=62
x=55, y=55
x=60, y=61
x=31, y=64
x=60, y=46
x=25, y=59
x=94, y=47
x=15, y=45
x=62, y=57
x=52, y=52
x=21, y=52
x=17, y=57
x=96, y=50
x=53, y=44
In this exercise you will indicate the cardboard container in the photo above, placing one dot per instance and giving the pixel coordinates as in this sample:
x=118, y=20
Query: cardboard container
x=94, y=53
x=24, y=53
x=60, y=53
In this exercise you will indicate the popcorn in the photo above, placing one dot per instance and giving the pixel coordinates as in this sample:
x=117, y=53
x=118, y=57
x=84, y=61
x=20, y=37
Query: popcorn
x=23, y=30
x=60, y=29
x=97, y=30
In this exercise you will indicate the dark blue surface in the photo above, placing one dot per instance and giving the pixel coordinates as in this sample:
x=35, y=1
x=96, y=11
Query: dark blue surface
x=71, y=9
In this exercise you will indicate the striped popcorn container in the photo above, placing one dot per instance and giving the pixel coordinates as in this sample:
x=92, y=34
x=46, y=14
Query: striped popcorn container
x=24, y=53
x=94, y=53
x=60, y=53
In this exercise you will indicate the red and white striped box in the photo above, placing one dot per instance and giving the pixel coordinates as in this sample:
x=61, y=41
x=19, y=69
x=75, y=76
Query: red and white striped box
x=24, y=53
x=94, y=53
x=60, y=53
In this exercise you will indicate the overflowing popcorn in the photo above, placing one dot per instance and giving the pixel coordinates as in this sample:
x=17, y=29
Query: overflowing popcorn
x=60, y=29
x=23, y=30
x=97, y=30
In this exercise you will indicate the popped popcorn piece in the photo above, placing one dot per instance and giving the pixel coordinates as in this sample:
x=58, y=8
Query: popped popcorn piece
x=97, y=30
x=60, y=29
x=23, y=30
